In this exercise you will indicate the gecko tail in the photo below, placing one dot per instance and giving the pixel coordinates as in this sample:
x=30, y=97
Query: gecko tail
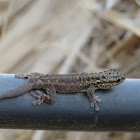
x=25, y=87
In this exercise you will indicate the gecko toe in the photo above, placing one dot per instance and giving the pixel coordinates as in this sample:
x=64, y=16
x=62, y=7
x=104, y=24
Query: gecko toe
x=94, y=104
x=37, y=102
x=34, y=103
x=97, y=99
x=96, y=108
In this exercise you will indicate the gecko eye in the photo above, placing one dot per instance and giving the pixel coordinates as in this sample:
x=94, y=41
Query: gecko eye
x=118, y=80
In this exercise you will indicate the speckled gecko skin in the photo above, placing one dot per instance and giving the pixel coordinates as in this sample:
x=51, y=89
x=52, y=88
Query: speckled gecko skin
x=65, y=83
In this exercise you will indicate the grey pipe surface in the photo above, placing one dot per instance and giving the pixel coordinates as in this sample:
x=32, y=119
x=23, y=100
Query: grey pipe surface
x=119, y=110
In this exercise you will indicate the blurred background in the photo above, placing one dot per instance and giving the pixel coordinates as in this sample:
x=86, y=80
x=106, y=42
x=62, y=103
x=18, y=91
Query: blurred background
x=63, y=36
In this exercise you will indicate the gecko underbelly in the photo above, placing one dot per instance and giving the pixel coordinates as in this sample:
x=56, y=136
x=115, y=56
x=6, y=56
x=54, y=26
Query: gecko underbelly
x=70, y=89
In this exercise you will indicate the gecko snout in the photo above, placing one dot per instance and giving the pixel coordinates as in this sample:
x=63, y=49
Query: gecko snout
x=119, y=79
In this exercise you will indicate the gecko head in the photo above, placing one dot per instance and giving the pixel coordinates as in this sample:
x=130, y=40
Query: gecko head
x=110, y=78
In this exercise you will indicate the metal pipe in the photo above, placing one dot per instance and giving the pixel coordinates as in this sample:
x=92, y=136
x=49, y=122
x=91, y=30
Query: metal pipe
x=119, y=110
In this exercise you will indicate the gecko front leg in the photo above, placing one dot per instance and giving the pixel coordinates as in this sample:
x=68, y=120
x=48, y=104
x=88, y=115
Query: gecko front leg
x=93, y=99
x=41, y=97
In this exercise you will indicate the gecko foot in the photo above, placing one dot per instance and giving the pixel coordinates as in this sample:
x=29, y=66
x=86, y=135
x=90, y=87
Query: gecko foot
x=93, y=99
x=37, y=102
x=94, y=102
x=41, y=97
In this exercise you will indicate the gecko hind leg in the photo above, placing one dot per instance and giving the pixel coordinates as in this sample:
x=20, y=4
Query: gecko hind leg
x=93, y=99
x=21, y=75
x=41, y=97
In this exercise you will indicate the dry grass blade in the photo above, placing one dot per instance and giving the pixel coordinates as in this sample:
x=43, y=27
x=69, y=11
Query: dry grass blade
x=115, y=18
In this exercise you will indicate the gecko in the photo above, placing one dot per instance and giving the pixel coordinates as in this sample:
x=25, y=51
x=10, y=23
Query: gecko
x=65, y=83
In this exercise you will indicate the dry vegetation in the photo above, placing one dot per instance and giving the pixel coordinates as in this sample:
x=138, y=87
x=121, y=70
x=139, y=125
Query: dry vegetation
x=52, y=36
